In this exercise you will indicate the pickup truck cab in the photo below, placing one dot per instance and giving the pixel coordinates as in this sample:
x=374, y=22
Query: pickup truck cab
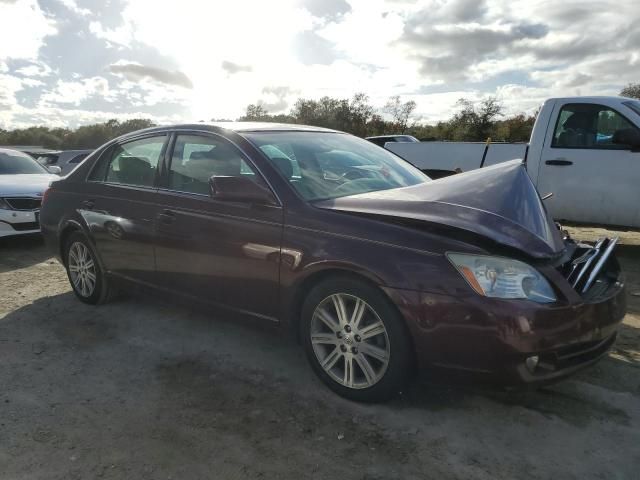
x=583, y=150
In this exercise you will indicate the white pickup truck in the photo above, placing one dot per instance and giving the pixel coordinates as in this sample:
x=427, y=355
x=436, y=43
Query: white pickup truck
x=583, y=150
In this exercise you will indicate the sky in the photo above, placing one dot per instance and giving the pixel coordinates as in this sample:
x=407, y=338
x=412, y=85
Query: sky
x=73, y=62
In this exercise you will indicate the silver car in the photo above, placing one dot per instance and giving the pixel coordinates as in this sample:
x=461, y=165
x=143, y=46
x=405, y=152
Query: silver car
x=22, y=185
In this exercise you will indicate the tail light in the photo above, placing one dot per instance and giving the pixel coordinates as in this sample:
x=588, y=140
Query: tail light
x=45, y=195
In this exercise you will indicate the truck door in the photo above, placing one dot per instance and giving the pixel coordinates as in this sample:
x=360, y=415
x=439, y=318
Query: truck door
x=592, y=179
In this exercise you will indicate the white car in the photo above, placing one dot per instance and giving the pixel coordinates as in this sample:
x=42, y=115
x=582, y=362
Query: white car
x=22, y=184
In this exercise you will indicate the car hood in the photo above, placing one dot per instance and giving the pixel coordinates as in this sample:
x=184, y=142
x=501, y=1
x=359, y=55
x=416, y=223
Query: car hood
x=498, y=202
x=25, y=184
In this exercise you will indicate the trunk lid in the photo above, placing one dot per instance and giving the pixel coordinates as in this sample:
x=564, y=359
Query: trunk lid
x=498, y=202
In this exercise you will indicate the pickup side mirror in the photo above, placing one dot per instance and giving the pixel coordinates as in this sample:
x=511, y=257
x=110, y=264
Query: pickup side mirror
x=629, y=137
x=54, y=169
x=239, y=189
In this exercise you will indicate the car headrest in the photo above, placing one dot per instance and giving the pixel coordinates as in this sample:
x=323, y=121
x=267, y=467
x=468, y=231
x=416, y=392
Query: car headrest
x=580, y=120
x=284, y=165
x=202, y=155
x=135, y=170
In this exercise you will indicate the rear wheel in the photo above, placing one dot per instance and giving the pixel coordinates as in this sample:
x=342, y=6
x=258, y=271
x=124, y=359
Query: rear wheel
x=355, y=340
x=85, y=274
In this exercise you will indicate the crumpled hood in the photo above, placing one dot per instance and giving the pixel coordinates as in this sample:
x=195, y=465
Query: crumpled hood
x=498, y=202
x=25, y=184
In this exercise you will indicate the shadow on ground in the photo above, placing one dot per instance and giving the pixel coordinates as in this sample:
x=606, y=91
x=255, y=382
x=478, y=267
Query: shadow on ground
x=21, y=252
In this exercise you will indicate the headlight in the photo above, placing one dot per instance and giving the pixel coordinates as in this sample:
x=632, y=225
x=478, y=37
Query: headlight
x=502, y=277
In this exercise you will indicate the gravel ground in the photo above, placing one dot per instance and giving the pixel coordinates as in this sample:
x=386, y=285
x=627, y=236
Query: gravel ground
x=142, y=389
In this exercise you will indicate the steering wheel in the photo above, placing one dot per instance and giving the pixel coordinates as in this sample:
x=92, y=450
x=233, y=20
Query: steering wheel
x=360, y=185
x=354, y=174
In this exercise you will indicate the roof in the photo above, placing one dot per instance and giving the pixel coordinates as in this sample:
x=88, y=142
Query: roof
x=267, y=126
x=592, y=98
x=239, y=127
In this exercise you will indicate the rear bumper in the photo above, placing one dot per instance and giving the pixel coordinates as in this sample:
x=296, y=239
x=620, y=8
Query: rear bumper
x=478, y=339
x=14, y=222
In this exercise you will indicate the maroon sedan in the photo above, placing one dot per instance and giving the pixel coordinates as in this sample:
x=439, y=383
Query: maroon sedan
x=374, y=266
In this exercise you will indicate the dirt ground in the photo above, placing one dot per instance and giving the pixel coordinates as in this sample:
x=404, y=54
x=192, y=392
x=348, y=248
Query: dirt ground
x=140, y=389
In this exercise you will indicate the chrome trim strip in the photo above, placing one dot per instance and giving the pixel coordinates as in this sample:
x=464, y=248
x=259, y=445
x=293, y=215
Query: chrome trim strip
x=596, y=250
x=579, y=262
x=601, y=261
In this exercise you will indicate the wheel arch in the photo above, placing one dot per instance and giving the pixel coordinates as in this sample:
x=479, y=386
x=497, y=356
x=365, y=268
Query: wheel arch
x=69, y=227
x=293, y=307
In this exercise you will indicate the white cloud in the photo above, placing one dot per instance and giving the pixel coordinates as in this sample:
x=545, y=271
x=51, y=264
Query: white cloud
x=9, y=86
x=73, y=6
x=122, y=35
x=214, y=58
x=75, y=92
x=24, y=27
x=35, y=69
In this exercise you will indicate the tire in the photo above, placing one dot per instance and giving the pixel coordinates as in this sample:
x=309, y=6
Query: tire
x=91, y=286
x=377, y=347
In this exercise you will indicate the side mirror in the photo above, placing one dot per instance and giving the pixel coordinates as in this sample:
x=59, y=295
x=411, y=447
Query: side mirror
x=629, y=137
x=239, y=189
x=54, y=169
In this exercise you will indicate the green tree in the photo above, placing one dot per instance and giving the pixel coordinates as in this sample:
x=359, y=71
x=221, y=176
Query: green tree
x=632, y=90
x=87, y=136
x=255, y=113
x=361, y=114
x=514, y=129
x=475, y=122
x=400, y=112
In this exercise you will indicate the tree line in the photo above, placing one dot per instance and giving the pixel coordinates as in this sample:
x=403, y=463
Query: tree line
x=84, y=137
x=471, y=121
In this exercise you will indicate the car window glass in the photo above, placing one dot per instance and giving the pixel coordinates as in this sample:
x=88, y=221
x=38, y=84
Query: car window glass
x=14, y=162
x=136, y=162
x=331, y=165
x=282, y=155
x=197, y=158
x=588, y=126
x=78, y=158
x=633, y=105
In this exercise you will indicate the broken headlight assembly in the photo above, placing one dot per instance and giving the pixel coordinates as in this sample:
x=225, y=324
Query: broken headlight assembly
x=500, y=277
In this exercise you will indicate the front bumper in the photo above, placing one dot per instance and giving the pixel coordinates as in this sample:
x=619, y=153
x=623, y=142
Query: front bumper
x=486, y=340
x=17, y=222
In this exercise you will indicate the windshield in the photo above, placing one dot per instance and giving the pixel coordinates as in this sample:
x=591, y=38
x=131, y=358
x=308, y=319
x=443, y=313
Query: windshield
x=13, y=163
x=329, y=165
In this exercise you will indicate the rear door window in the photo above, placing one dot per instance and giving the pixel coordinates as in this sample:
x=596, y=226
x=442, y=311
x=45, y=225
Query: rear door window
x=136, y=162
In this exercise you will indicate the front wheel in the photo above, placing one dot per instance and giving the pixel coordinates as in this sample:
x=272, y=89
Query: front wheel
x=355, y=340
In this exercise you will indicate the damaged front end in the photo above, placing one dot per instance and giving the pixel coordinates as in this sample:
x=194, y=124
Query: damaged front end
x=591, y=265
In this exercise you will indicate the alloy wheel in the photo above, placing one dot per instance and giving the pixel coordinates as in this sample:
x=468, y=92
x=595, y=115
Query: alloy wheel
x=350, y=341
x=82, y=269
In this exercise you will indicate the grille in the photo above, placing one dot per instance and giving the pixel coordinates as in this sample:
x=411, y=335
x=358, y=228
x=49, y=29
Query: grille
x=24, y=226
x=573, y=355
x=587, y=263
x=24, y=203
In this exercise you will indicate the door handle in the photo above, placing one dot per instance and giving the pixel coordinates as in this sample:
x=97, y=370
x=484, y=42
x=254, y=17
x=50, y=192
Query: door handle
x=167, y=217
x=88, y=204
x=560, y=162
